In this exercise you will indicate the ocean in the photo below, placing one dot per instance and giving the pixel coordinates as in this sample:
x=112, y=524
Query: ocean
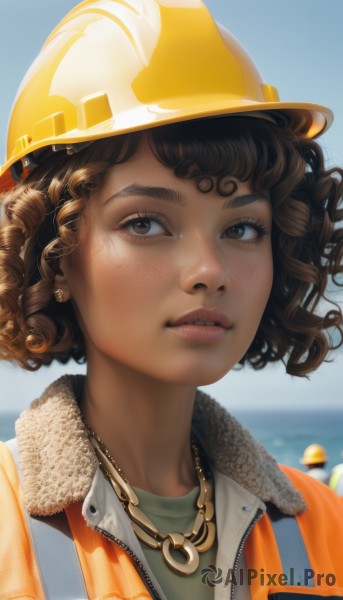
x=283, y=433
x=286, y=434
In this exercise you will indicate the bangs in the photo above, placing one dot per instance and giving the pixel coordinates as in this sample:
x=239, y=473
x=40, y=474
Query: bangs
x=215, y=152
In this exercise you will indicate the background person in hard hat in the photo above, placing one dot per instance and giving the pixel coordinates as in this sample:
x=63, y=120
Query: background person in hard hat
x=336, y=478
x=315, y=459
x=165, y=218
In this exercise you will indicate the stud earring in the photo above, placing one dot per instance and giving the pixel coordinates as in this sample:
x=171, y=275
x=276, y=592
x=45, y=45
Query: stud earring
x=59, y=295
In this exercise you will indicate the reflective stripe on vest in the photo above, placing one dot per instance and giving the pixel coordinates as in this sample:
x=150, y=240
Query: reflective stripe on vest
x=290, y=543
x=55, y=551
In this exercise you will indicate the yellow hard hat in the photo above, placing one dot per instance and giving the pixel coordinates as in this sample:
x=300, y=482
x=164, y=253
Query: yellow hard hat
x=314, y=454
x=115, y=66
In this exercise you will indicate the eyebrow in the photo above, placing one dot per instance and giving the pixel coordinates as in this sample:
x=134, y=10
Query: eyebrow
x=245, y=199
x=170, y=195
x=144, y=191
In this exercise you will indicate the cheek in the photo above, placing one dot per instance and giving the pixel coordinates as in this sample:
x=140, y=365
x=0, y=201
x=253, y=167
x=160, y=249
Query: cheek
x=110, y=280
x=253, y=301
x=256, y=282
x=264, y=281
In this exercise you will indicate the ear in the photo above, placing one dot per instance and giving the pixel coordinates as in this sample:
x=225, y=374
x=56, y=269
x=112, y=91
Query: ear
x=61, y=291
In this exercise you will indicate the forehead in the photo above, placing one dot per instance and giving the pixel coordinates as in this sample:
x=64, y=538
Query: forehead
x=143, y=166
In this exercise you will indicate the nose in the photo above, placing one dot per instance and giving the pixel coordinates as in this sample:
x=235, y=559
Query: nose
x=204, y=268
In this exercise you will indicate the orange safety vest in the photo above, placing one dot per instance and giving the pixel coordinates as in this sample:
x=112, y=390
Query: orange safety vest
x=109, y=573
x=321, y=530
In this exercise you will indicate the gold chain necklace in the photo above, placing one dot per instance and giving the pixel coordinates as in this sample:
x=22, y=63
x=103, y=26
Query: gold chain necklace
x=191, y=543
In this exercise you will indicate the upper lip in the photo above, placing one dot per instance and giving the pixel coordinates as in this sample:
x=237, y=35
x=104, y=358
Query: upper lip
x=203, y=314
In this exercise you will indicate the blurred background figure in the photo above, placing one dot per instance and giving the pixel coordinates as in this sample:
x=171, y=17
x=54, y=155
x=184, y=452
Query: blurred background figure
x=315, y=459
x=336, y=478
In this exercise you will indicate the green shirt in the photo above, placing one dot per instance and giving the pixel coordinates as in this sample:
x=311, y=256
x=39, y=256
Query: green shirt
x=175, y=515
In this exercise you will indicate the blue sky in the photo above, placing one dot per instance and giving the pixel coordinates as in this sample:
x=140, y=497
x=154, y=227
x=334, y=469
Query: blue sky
x=298, y=47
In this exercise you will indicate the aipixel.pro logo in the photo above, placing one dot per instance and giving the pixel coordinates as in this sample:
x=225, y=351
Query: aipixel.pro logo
x=212, y=576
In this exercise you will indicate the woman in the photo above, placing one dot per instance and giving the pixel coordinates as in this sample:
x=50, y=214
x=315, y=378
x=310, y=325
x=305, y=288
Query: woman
x=162, y=247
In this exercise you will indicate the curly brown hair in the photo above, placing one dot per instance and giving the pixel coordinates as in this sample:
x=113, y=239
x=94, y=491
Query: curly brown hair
x=41, y=218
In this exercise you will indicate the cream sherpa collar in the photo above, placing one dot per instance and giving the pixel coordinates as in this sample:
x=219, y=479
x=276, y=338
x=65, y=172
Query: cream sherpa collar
x=58, y=462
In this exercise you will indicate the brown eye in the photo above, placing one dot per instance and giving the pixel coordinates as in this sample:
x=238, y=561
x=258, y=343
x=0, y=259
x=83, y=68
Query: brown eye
x=144, y=227
x=141, y=226
x=238, y=231
x=246, y=231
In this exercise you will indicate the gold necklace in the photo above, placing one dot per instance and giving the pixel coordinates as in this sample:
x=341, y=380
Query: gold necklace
x=191, y=543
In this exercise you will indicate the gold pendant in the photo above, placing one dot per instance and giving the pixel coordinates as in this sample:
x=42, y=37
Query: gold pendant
x=178, y=542
x=149, y=540
x=139, y=516
x=206, y=544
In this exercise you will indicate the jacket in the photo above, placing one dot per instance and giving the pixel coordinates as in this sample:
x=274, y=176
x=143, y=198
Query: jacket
x=60, y=473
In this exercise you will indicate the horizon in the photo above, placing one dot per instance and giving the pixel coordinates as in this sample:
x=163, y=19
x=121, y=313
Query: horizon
x=298, y=49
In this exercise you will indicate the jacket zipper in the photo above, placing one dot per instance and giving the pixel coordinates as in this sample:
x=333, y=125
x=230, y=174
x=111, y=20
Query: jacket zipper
x=139, y=565
x=258, y=515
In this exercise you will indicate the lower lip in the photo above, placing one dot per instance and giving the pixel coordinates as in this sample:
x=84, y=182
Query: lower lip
x=202, y=334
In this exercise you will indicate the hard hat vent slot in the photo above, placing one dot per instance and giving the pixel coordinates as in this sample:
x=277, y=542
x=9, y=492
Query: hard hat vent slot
x=51, y=126
x=21, y=145
x=94, y=109
x=270, y=93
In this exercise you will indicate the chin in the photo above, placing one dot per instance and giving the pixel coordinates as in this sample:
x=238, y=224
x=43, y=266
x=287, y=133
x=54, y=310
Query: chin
x=209, y=380
x=201, y=377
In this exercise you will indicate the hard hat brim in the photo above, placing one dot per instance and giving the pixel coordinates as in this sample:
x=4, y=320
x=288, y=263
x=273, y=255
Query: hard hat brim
x=303, y=119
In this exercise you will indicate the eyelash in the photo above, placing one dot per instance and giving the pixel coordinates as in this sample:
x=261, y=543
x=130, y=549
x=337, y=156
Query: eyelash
x=146, y=216
x=260, y=229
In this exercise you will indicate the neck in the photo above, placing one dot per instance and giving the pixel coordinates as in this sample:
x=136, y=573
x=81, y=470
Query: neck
x=145, y=426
